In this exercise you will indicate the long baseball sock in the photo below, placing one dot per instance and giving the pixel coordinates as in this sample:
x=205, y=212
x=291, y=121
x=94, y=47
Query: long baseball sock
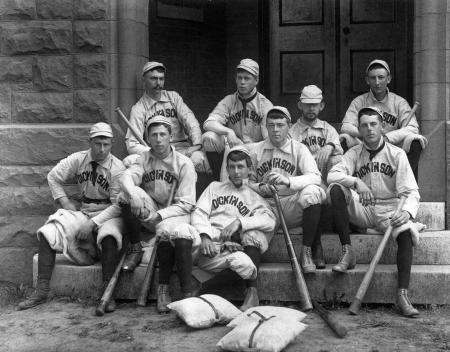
x=340, y=214
x=414, y=156
x=404, y=258
x=132, y=224
x=108, y=257
x=166, y=258
x=255, y=255
x=46, y=259
x=215, y=161
x=311, y=218
x=183, y=261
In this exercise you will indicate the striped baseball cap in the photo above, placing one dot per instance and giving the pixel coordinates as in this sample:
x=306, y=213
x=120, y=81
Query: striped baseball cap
x=152, y=65
x=249, y=65
x=281, y=109
x=101, y=129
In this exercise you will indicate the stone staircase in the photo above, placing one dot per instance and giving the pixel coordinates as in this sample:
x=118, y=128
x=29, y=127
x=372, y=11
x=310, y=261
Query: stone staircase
x=430, y=278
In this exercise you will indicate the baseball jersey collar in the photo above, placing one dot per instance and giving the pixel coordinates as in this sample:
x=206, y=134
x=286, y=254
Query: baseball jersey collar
x=104, y=163
x=316, y=124
x=153, y=155
x=384, y=100
x=164, y=98
x=253, y=93
x=286, y=147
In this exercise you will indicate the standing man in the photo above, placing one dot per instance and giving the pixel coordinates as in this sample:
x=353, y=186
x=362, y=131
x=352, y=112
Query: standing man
x=394, y=111
x=289, y=165
x=239, y=117
x=69, y=230
x=379, y=173
x=146, y=186
x=235, y=226
x=186, y=133
x=322, y=141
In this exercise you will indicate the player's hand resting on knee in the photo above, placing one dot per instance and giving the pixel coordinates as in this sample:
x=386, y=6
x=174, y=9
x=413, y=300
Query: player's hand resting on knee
x=232, y=246
x=207, y=247
x=137, y=206
x=85, y=231
x=322, y=156
x=230, y=230
x=365, y=194
x=232, y=139
x=275, y=178
x=400, y=219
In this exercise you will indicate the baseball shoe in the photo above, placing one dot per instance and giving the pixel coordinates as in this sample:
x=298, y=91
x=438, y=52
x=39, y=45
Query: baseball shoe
x=133, y=257
x=347, y=261
x=306, y=260
x=317, y=255
x=251, y=299
x=39, y=295
x=404, y=305
x=163, y=299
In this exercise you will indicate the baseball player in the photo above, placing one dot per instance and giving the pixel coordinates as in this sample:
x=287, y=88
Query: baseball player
x=289, y=165
x=235, y=225
x=365, y=188
x=146, y=186
x=322, y=141
x=74, y=232
x=186, y=133
x=239, y=117
x=394, y=110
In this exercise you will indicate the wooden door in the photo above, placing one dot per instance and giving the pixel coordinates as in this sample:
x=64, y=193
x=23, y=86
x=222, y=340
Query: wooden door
x=330, y=42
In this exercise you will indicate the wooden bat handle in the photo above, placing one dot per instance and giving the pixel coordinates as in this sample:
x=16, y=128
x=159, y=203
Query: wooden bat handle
x=356, y=304
x=411, y=114
x=335, y=325
x=135, y=133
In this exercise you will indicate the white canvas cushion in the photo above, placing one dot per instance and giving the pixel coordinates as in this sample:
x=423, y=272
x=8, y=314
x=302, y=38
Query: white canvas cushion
x=282, y=312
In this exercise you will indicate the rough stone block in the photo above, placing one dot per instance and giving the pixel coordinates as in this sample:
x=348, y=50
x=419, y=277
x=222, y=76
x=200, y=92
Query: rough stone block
x=42, y=107
x=17, y=9
x=90, y=36
x=90, y=9
x=16, y=264
x=432, y=214
x=20, y=231
x=23, y=176
x=36, y=37
x=5, y=104
x=90, y=71
x=54, y=9
x=46, y=145
x=53, y=73
x=90, y=105
x=16, y=70
x=26, y=201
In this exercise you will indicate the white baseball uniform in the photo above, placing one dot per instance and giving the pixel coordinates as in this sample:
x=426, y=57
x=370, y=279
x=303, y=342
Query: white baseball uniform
x=99, y=188
x=315, y=137
x=219, y=205
x=154, y=179
x=249, y=125
x=295, y=161
x=388, y=175
x=394, y=109
x=185, y=127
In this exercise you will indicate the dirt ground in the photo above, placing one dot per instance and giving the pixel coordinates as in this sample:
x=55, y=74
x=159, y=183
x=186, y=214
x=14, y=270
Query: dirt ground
x=65, y=324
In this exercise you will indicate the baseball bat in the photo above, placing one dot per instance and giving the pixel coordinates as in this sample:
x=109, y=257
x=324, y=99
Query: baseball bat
x=100, y=310
x=356, y=304
x=135, y=133
x=411, y=113
x=142, y=298
x=335, y=325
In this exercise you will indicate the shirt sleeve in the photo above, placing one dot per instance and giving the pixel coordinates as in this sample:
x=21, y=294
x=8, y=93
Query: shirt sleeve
x=350, y=120
x=342, y=172
x=267, y=105
x=220, y=113
x=135, y=170
x=187, y=120
x=64, y=171
x=308, y=167
x=398, y=135
x=200, y=216
x=333, y=138
x=184, y=199
x=406, y=185
x=137, y=120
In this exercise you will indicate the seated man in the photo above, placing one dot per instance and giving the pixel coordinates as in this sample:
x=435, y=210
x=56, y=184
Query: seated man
x=239, y=117
x=289, y=165
x=147, y=186
x=379, y=172
x=322, y=141
x=235, y=225
x=69, y=230
x=186, y=133
x=394, y=109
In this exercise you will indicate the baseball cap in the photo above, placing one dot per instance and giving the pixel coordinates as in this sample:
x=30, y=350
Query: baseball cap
x=159, y=119
x=311, y=95
x=369, y=108
x=239, y=148
x=249, y=65
x=151, y=65
x=281, y=109
x=101, y=129
x=379, y=62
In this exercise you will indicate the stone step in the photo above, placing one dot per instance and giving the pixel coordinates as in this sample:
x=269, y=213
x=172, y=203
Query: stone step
x=433, y=248
x=430, y=284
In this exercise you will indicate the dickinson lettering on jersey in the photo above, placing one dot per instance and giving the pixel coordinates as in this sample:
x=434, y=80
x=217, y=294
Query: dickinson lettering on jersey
x=89, y=176
x=169, y=112
x=158, y=175
x=389, y=118
x=249, y=114
x=314, y=140
x=375, y=166
x=232, y=200
x=275, y=163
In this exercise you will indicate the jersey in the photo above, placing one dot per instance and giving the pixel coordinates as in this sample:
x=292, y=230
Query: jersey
x=293, y=160
x=249, y=125
x=388, y=174
x=98, y=186
x=185, y=126
x=316, y=136
x=222, y=203
x=395, y=110
x=157, y=176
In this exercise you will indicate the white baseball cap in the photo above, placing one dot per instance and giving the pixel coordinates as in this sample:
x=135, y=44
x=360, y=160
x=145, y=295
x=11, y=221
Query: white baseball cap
x=378, y=62
x=249, y=65
x=370, y=108
x=281, y=109
x=101, y=129
x=239, y=148
x=159, y=119
x=152, y=65
x=311, y=95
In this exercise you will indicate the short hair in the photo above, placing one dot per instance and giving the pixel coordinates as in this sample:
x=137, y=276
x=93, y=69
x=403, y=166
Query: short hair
x=370, y=112
x=169, y=128
x=237, y=155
